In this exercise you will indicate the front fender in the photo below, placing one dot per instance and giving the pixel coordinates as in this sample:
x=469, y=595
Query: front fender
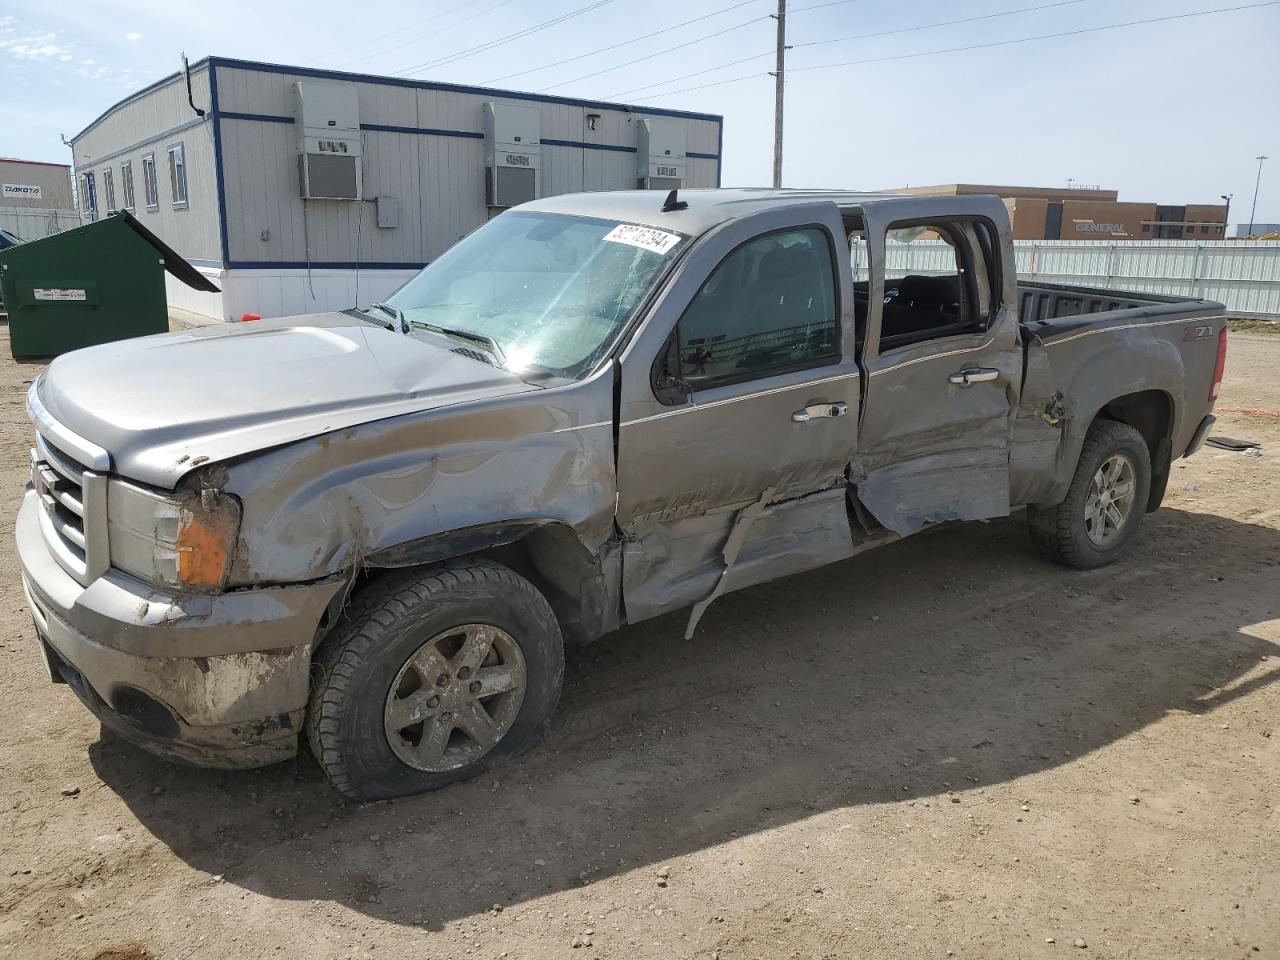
x=389, y=489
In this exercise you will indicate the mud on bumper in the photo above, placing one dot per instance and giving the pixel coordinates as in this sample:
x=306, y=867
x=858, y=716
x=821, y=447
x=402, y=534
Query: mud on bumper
x=212, y=681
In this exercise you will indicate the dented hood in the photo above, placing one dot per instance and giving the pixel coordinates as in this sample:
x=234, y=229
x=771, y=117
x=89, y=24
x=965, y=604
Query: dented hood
x=165, y=404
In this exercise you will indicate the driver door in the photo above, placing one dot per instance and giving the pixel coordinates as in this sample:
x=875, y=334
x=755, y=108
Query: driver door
x=738, y=414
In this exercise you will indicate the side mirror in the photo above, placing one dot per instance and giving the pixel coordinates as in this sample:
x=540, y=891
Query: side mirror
x=668, y=386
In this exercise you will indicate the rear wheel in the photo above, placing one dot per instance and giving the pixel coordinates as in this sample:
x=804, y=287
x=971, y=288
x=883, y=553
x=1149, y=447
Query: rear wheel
x=1104, y=505
x=434, y=675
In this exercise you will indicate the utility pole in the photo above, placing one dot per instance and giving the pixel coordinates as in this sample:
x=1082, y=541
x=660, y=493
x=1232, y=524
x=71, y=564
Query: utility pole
x=1226, y=214
x=1254, y=208
x=778, y=94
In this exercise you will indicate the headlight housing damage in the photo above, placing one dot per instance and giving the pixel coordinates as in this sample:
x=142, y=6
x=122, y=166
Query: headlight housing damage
x=184, y=540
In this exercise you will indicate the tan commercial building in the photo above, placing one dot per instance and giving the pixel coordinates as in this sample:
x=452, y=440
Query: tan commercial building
x=1091, y=213
x=35, y=198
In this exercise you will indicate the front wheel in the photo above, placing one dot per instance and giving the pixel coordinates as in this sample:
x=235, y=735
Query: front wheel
x=434, y=675
x=1096, y=522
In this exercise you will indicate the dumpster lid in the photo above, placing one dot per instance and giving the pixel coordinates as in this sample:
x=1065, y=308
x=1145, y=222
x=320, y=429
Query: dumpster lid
x=173, y=261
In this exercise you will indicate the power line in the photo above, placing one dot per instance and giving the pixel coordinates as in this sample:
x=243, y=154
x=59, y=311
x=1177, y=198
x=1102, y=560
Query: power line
x=981, y=46
x=615, y=46
x=686, y=76
x=1052, y=36
x=858, y=36
x=418, y=39
x=394, y=33
x=940, y=23
x=688, y=43
x=519, y=34
x=821, y=6
x=650, y=56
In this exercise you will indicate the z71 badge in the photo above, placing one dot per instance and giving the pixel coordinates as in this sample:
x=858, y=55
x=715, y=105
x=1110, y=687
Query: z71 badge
x=1197, y=333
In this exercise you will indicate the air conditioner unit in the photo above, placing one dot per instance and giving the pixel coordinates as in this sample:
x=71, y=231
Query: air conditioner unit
x=512, y=154
x=661, y=154
x=327, y=120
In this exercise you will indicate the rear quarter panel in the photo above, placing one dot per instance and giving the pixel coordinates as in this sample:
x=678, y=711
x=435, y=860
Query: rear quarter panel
x=1096, y=360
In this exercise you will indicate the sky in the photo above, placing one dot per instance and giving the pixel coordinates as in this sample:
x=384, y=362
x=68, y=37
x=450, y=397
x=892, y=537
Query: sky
x=1170, y=112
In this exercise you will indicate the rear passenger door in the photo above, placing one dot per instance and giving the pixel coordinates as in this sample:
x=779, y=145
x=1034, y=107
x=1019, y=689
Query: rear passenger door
x=943, y=368
x=738, y=412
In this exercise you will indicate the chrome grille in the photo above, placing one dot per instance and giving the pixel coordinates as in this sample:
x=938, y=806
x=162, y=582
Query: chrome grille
x=73, y=503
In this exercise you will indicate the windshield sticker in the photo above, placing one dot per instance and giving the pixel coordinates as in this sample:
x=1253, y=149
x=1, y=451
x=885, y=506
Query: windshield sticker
x=647, y=238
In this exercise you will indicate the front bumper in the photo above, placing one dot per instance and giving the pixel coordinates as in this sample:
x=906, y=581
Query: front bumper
x=216, y=681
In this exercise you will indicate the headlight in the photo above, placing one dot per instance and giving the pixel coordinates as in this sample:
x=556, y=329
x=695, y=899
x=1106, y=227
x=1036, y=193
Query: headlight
x=182, y=540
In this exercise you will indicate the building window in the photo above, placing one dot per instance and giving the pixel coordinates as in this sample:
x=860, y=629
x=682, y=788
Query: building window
x=126, y=184
x=177, y=175
x=149, y=181
x=90, y=197
x=109, y=189
x=1204, y=228
x=1146, y=228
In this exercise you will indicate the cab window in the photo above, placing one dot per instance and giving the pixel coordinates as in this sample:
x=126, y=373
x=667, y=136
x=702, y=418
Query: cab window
x=770, y=307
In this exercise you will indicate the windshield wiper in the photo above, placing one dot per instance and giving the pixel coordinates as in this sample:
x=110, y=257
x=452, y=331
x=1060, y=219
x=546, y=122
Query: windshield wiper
x=487, y=342
x=395, y=312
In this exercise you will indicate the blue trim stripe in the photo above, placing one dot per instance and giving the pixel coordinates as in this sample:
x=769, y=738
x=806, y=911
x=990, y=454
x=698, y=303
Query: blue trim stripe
x=423, y=131
x=703, y=156
x=260, y=117
x=321, y=265
x=218, y=178
x=583, y=145
x=719, y=150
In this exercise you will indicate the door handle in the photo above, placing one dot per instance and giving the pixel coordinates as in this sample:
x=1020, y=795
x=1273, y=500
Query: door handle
x=964, y=378
x=815, y=410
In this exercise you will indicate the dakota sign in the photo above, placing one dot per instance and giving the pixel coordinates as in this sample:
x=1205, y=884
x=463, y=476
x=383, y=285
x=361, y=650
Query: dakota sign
x=26, y=191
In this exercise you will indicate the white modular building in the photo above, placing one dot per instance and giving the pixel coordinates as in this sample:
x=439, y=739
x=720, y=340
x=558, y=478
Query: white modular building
x=297, y=190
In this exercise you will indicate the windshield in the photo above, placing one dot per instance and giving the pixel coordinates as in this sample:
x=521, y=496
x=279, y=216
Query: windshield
x=7, y=239
x=550, y=291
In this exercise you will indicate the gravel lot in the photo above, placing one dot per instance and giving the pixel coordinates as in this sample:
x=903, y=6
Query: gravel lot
x=944, y=748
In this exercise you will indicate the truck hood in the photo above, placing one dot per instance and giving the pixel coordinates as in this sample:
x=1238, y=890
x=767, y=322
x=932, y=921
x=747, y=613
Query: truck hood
x=163, y=405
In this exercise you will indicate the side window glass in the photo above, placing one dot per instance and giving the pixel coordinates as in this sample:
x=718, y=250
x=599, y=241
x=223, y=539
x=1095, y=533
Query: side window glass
x=770, y=306
x=930, y=284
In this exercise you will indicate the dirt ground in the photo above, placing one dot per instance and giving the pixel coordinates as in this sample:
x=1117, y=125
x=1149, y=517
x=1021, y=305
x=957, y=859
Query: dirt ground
x=948, y=747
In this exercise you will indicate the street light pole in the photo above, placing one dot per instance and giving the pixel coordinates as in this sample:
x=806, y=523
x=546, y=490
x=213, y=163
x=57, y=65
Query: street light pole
x=1254, y=209
x=1226, y=214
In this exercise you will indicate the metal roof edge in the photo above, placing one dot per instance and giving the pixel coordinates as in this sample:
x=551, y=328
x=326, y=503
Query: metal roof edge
x=164, y=81
x=263, y=67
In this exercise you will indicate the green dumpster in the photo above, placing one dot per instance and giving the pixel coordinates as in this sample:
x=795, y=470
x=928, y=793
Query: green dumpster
x=97, y=283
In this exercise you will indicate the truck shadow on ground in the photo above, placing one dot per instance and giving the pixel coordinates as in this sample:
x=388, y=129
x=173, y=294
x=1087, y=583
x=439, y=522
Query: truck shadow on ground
x=946, y=663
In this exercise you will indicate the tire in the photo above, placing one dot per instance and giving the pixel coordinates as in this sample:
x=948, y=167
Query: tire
x=399, y=630
x=1067, y=533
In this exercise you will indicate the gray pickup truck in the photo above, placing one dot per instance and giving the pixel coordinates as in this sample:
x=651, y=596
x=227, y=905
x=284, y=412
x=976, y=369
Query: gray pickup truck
x=377, y=529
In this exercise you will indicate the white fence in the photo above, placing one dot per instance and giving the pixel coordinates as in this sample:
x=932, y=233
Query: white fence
x=1242, y=274
x=32, y=223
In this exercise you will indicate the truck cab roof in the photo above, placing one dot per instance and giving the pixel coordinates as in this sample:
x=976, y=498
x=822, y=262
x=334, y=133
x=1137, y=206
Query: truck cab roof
x=706, y=208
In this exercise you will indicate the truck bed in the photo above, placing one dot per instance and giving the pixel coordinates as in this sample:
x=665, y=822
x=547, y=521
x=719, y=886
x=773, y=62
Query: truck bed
x=1044, y=302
